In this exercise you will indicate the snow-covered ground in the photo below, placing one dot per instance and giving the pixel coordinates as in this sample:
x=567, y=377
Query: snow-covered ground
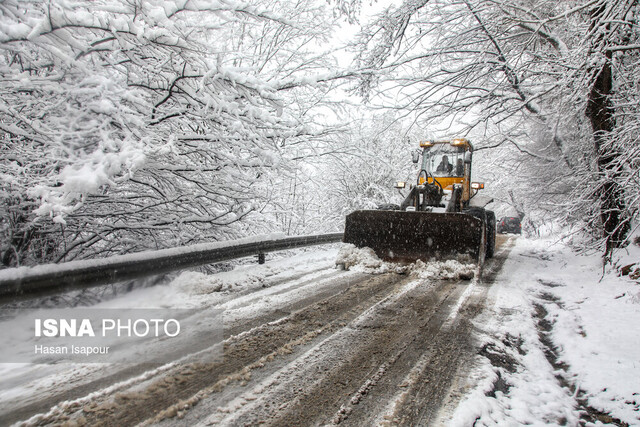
x=560, y=343
x=241, y=293
x=558, y=339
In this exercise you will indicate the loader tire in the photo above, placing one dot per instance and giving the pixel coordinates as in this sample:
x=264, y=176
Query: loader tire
x=489, y=220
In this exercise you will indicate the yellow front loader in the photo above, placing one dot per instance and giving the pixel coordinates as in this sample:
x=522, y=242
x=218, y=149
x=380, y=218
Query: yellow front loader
x=438, y=219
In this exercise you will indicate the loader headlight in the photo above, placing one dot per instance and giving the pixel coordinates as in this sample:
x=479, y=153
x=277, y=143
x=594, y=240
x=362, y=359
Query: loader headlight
x=477, y=185
x=401, y=184
x=459, y=142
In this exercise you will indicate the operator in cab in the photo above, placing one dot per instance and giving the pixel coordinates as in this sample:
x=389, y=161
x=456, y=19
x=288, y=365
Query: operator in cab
x=444, y=165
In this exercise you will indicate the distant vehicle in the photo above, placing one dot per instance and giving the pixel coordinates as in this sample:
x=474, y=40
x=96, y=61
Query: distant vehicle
x=510, y=224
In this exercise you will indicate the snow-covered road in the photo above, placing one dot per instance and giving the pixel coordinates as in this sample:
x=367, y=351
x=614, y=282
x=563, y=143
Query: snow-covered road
x=305, y=343
x=540, y=339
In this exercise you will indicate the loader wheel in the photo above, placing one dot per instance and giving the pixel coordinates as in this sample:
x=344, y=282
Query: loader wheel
x=489, y=220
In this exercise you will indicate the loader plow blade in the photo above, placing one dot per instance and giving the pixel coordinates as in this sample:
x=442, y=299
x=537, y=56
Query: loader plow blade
x=409, y=236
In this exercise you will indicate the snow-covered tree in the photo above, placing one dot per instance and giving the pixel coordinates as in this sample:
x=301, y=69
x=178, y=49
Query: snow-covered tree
x=550, y=79
x=129, y=124
x=379, y=155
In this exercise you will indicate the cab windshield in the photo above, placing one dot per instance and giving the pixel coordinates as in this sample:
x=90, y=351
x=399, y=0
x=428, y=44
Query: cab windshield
x=443, y=160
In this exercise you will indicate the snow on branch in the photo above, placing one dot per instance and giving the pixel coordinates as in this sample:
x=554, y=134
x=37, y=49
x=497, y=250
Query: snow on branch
x=95, y=95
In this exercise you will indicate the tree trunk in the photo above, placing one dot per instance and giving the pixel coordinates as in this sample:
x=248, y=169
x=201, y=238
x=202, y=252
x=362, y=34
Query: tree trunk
x=600, y=112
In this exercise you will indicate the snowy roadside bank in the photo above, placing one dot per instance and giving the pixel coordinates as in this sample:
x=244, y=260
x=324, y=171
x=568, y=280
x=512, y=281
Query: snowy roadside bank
x=560, y=344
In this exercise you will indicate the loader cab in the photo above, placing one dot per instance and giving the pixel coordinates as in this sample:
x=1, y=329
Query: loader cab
x=449, y=162
x=444, y=161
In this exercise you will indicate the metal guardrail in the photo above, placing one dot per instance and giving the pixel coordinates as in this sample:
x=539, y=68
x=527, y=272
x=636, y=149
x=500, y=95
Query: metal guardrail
x=42, y=280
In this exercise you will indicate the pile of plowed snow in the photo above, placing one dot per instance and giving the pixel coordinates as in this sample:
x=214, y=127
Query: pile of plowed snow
x=450, y=269
x=365, y=260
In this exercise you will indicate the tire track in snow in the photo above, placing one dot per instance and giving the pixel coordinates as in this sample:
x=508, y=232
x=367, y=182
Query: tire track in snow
x=189, y=384
x=326, y=280
x=281, y=391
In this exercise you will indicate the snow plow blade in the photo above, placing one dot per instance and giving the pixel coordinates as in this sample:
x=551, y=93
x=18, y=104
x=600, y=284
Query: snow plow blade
x=402, y=236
